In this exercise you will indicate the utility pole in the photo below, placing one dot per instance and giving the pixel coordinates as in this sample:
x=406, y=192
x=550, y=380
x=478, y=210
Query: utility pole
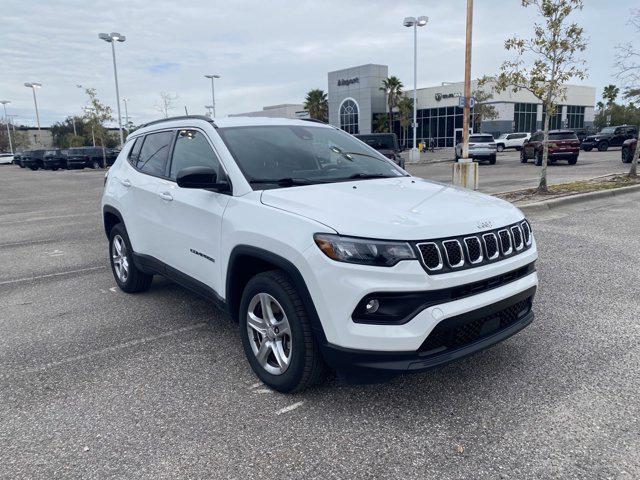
x=465, y=171
x=6, y=119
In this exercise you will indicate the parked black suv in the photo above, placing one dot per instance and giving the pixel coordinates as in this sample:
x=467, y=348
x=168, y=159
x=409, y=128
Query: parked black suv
x=54, y=159
x=90, y=157
x=386, y=144
x=33, y=159
x=609, y=137
x=17, y=159
x=583, y=133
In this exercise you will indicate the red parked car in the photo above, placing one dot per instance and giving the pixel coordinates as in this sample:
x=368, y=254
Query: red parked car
x=563, y=145
x=628, y=149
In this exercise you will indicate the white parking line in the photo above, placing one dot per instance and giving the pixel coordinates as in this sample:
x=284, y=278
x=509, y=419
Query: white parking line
x=114, y=348
x=49, y=275
x=289, y=408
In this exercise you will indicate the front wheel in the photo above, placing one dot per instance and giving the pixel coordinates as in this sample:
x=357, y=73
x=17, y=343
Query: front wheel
x=128, y=277
x=587, y=149
x=276, y=334
x=95, y=165
x=500, y=147
x=603, y=146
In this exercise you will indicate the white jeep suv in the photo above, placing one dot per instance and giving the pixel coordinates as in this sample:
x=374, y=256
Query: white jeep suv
x=325, y=252
x=512, y=140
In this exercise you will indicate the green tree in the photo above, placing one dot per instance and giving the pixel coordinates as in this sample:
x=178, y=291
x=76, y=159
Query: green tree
x=19, y=140
x=392, y=87
x=555, y=47
x=317, y=105
x=483, y=110
x=64, y=136
x=96, y=114
x=405, y=114
x=610, y=93
x=628, y=70
x=381, y=123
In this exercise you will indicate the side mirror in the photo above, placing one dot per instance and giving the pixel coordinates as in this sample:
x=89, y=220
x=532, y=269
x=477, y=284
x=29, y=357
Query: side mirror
x=201, y=177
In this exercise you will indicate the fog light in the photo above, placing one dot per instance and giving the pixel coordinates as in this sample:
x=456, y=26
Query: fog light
x=372, y=306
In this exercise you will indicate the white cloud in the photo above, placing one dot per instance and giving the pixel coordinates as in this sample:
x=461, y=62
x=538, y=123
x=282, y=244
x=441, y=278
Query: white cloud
x=267, y=52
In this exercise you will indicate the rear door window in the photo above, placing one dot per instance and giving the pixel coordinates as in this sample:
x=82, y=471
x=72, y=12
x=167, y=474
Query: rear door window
x=134, y=154
x=154, y=153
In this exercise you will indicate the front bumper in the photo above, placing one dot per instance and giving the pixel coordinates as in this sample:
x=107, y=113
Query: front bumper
x=462, y=336
x=589, y=144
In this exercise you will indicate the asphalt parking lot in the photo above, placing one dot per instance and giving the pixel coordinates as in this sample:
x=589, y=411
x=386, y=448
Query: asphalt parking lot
x=509, y=174
x=95, y=383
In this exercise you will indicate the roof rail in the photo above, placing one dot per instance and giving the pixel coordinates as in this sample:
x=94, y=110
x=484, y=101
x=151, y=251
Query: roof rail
x=182, y=117
x=315, y=120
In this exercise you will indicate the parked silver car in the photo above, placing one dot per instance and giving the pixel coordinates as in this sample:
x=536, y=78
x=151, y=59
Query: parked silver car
x=482, y=147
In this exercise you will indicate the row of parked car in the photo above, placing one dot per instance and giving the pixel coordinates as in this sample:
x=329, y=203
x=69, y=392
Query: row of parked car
x=69, y=158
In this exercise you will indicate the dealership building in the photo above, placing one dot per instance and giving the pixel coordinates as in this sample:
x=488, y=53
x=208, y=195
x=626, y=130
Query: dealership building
x=355, y=100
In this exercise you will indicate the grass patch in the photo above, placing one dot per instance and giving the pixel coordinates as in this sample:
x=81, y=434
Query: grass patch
x=530, y=195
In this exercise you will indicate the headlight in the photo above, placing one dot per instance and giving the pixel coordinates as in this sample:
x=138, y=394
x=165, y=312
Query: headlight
x=380, y=253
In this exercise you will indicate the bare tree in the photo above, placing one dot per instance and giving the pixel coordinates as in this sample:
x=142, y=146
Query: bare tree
x=628, y=71
x=554, y=47
x=166, y=103
x=96, y=114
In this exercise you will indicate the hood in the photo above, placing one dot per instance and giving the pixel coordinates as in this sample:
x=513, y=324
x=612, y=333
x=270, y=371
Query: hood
x=404, y=208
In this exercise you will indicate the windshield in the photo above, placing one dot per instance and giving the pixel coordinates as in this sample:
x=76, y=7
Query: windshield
x=481, y=139
x=563, y=136
x=379, y=142
x=303, y=155
x=608, y=130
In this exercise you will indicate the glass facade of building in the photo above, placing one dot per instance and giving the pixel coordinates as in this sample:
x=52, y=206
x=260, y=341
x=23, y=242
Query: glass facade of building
x=438, y=124
x=555, y=122
x=575, y=116
x=349, y=117
x=524, y=116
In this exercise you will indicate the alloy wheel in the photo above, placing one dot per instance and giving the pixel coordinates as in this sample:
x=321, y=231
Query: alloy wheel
x=269, y=333
x=120, y=259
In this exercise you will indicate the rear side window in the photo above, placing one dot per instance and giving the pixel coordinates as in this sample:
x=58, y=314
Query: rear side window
x=135, y=151
x=193, y=150
x=154, y=153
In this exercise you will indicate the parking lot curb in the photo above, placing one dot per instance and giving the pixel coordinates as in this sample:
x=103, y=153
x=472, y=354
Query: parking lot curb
x=573, y=199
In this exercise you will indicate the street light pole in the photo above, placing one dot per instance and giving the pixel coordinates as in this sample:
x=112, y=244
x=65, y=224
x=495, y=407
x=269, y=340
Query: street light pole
x=33, y=86
x=465, y=170
x=6, y=119
x=213, y=93
x=112, y=38
x=126, y=114
x=415, y=23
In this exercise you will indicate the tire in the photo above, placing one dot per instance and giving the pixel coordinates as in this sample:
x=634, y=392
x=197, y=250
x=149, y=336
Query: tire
x=587, y=149
x=492, y=160
x=54, y=168
x=539, y=159
x=573, y=160
x=523, y=156
x=21, y=165
x=305, y=366
x=518, y=149
x=603, y=146
x=34, y=167
x=626, y=155
x=95, y=164
x=500, y=147
x=135, y=280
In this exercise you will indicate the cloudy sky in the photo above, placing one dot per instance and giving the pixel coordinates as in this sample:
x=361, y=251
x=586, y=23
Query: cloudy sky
x=267, y=52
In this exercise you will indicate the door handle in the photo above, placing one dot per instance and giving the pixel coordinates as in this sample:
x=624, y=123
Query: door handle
x=166, y=196
x=126, y=182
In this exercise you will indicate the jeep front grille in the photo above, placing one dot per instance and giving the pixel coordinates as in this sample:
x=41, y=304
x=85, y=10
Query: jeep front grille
x=458, y=253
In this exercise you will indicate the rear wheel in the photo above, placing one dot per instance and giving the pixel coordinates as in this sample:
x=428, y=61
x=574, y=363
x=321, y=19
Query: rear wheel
x=523, y=156
x=603, y=146
x=128, y=277
x=573, y=160
x=276, y=334
x=492, y=160
x=539, y=159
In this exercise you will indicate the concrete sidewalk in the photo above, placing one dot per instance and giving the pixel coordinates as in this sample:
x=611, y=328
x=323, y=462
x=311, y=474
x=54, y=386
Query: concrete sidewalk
x=437, y=156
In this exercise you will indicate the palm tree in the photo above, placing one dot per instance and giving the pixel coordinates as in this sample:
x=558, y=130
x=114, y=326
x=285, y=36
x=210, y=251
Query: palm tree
x=610, y=93
x=392, y=87
x=405, y=110
x=381, y=123
x=316, y=104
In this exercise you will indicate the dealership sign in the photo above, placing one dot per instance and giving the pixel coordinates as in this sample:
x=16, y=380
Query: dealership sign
x=440, y=96
x=345, y=82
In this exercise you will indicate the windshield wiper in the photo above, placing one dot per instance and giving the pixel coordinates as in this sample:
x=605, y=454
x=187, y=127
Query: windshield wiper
x=285, y=182
x=369, y=175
